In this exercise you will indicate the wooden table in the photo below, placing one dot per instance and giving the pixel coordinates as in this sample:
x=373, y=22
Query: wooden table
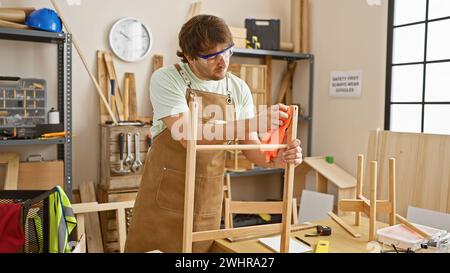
x=340, y=240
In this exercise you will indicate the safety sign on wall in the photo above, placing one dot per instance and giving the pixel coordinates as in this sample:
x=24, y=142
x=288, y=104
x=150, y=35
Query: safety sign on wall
x=346, y=83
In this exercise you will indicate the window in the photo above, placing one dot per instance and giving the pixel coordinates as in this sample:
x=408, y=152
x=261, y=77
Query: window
x=418, y=67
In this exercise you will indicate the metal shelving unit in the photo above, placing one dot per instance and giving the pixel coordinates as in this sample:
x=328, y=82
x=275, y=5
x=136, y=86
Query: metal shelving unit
x=288, y=56
x=63, y=42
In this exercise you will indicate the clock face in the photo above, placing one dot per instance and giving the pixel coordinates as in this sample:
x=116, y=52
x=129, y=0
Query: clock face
x=130, y=40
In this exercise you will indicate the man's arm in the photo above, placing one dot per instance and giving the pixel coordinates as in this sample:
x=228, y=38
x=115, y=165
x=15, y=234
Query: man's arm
x=291, y=154
x=256, y=156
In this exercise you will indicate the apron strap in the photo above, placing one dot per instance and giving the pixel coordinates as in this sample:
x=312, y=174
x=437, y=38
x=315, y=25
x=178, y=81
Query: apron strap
x=184, y=75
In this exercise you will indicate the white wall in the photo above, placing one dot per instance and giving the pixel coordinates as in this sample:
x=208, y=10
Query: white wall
x=345, y=35
x=348, y=35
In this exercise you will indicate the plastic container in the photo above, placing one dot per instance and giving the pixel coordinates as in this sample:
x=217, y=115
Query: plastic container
x=402, y=237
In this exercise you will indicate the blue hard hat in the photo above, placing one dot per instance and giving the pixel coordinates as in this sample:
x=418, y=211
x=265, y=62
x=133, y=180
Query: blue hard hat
x=44, y=19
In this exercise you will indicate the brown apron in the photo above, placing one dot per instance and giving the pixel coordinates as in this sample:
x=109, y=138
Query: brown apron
x=157, y=221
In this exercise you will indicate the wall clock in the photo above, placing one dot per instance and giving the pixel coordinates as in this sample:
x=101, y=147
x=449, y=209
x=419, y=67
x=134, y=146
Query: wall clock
x=130, y=39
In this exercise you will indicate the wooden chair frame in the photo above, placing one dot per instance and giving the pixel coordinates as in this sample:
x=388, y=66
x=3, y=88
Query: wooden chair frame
x=188, y=235
x=81, y=209
x=373, y=206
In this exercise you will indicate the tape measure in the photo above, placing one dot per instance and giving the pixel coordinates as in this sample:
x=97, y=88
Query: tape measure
x=322, y=246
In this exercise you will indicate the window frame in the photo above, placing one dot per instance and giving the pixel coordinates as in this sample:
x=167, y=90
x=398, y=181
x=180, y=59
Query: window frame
x=390, y=65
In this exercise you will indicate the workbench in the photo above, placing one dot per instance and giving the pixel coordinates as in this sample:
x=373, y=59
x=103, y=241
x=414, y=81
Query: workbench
x=340, y=240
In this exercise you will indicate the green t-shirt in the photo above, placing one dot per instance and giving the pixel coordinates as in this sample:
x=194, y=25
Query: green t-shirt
x=168, y=94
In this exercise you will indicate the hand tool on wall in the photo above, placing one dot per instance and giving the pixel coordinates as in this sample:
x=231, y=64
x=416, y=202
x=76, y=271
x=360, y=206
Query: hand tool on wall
x=129, y=158
x=121, y=170
x=75, y=43
x=149, y=141
x=137, y=164
x=112, y=79
x=113, y=76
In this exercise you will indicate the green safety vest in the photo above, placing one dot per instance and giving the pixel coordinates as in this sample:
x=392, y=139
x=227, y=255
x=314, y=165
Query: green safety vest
x=62, y=221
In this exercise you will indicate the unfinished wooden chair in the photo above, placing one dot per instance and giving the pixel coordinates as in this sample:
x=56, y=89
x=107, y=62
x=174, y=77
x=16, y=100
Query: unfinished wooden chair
x=81, y=209
x=371, y=207
x=188, y=235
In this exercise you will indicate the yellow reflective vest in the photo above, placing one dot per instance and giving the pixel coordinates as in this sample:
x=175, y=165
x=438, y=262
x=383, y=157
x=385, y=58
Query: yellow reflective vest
x=62, y=221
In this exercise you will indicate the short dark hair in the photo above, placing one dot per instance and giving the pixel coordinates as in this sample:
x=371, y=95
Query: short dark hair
x=202, y=33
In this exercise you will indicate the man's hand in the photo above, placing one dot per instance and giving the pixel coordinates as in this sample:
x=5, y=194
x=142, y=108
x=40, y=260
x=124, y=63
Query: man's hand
x=292, y=154
x=271, y=117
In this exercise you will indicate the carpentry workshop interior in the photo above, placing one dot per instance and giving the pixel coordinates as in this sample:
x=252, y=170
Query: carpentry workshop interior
x=239, y=126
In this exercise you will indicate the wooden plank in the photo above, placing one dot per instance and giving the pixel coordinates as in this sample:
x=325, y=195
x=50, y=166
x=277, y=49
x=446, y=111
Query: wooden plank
x=294, y=228
x=321, y=183
x=373, y=199
x=133, y=110
x=126, y=96
x=41, y=175
x=289, y=172
x=261, y=147
x=411, y=226
x=158, y=62
x=300, y=179
x=351, y=205
x=12, y=169
x=97, y=207
x=296, y=25
x=332, y=172
x=304, y=26
x=392, y=198
x=102, y=79
x=294, y=211
x=121, y=223
x=432, y=181
x=248, y=207
x=12, y=15
x=93, y=233
x=8, y=24
x=268, y=63
x=228, y=216
x=125, y=182
x=344, y=225
x=359, y=183
x=188, y=220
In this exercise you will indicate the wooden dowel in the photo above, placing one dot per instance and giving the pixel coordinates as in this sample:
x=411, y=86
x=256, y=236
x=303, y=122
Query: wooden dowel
x=189, y=190
x=392, y=191
x=359, y=181
x=75, y=43
x=411, y=226
x=344, y=225
x=373, y=200
x=262, y=147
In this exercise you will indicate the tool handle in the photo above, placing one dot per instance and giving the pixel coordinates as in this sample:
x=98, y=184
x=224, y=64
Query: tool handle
x=121, y=145
x=137, y=145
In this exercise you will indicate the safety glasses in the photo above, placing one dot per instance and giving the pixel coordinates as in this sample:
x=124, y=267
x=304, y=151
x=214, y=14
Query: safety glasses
x=210, y=58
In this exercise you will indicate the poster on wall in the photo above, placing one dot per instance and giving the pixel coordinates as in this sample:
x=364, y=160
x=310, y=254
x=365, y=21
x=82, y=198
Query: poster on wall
x=346, y=84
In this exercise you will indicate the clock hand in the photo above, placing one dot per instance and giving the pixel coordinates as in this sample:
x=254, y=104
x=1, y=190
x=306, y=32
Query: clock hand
x=128, y=38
